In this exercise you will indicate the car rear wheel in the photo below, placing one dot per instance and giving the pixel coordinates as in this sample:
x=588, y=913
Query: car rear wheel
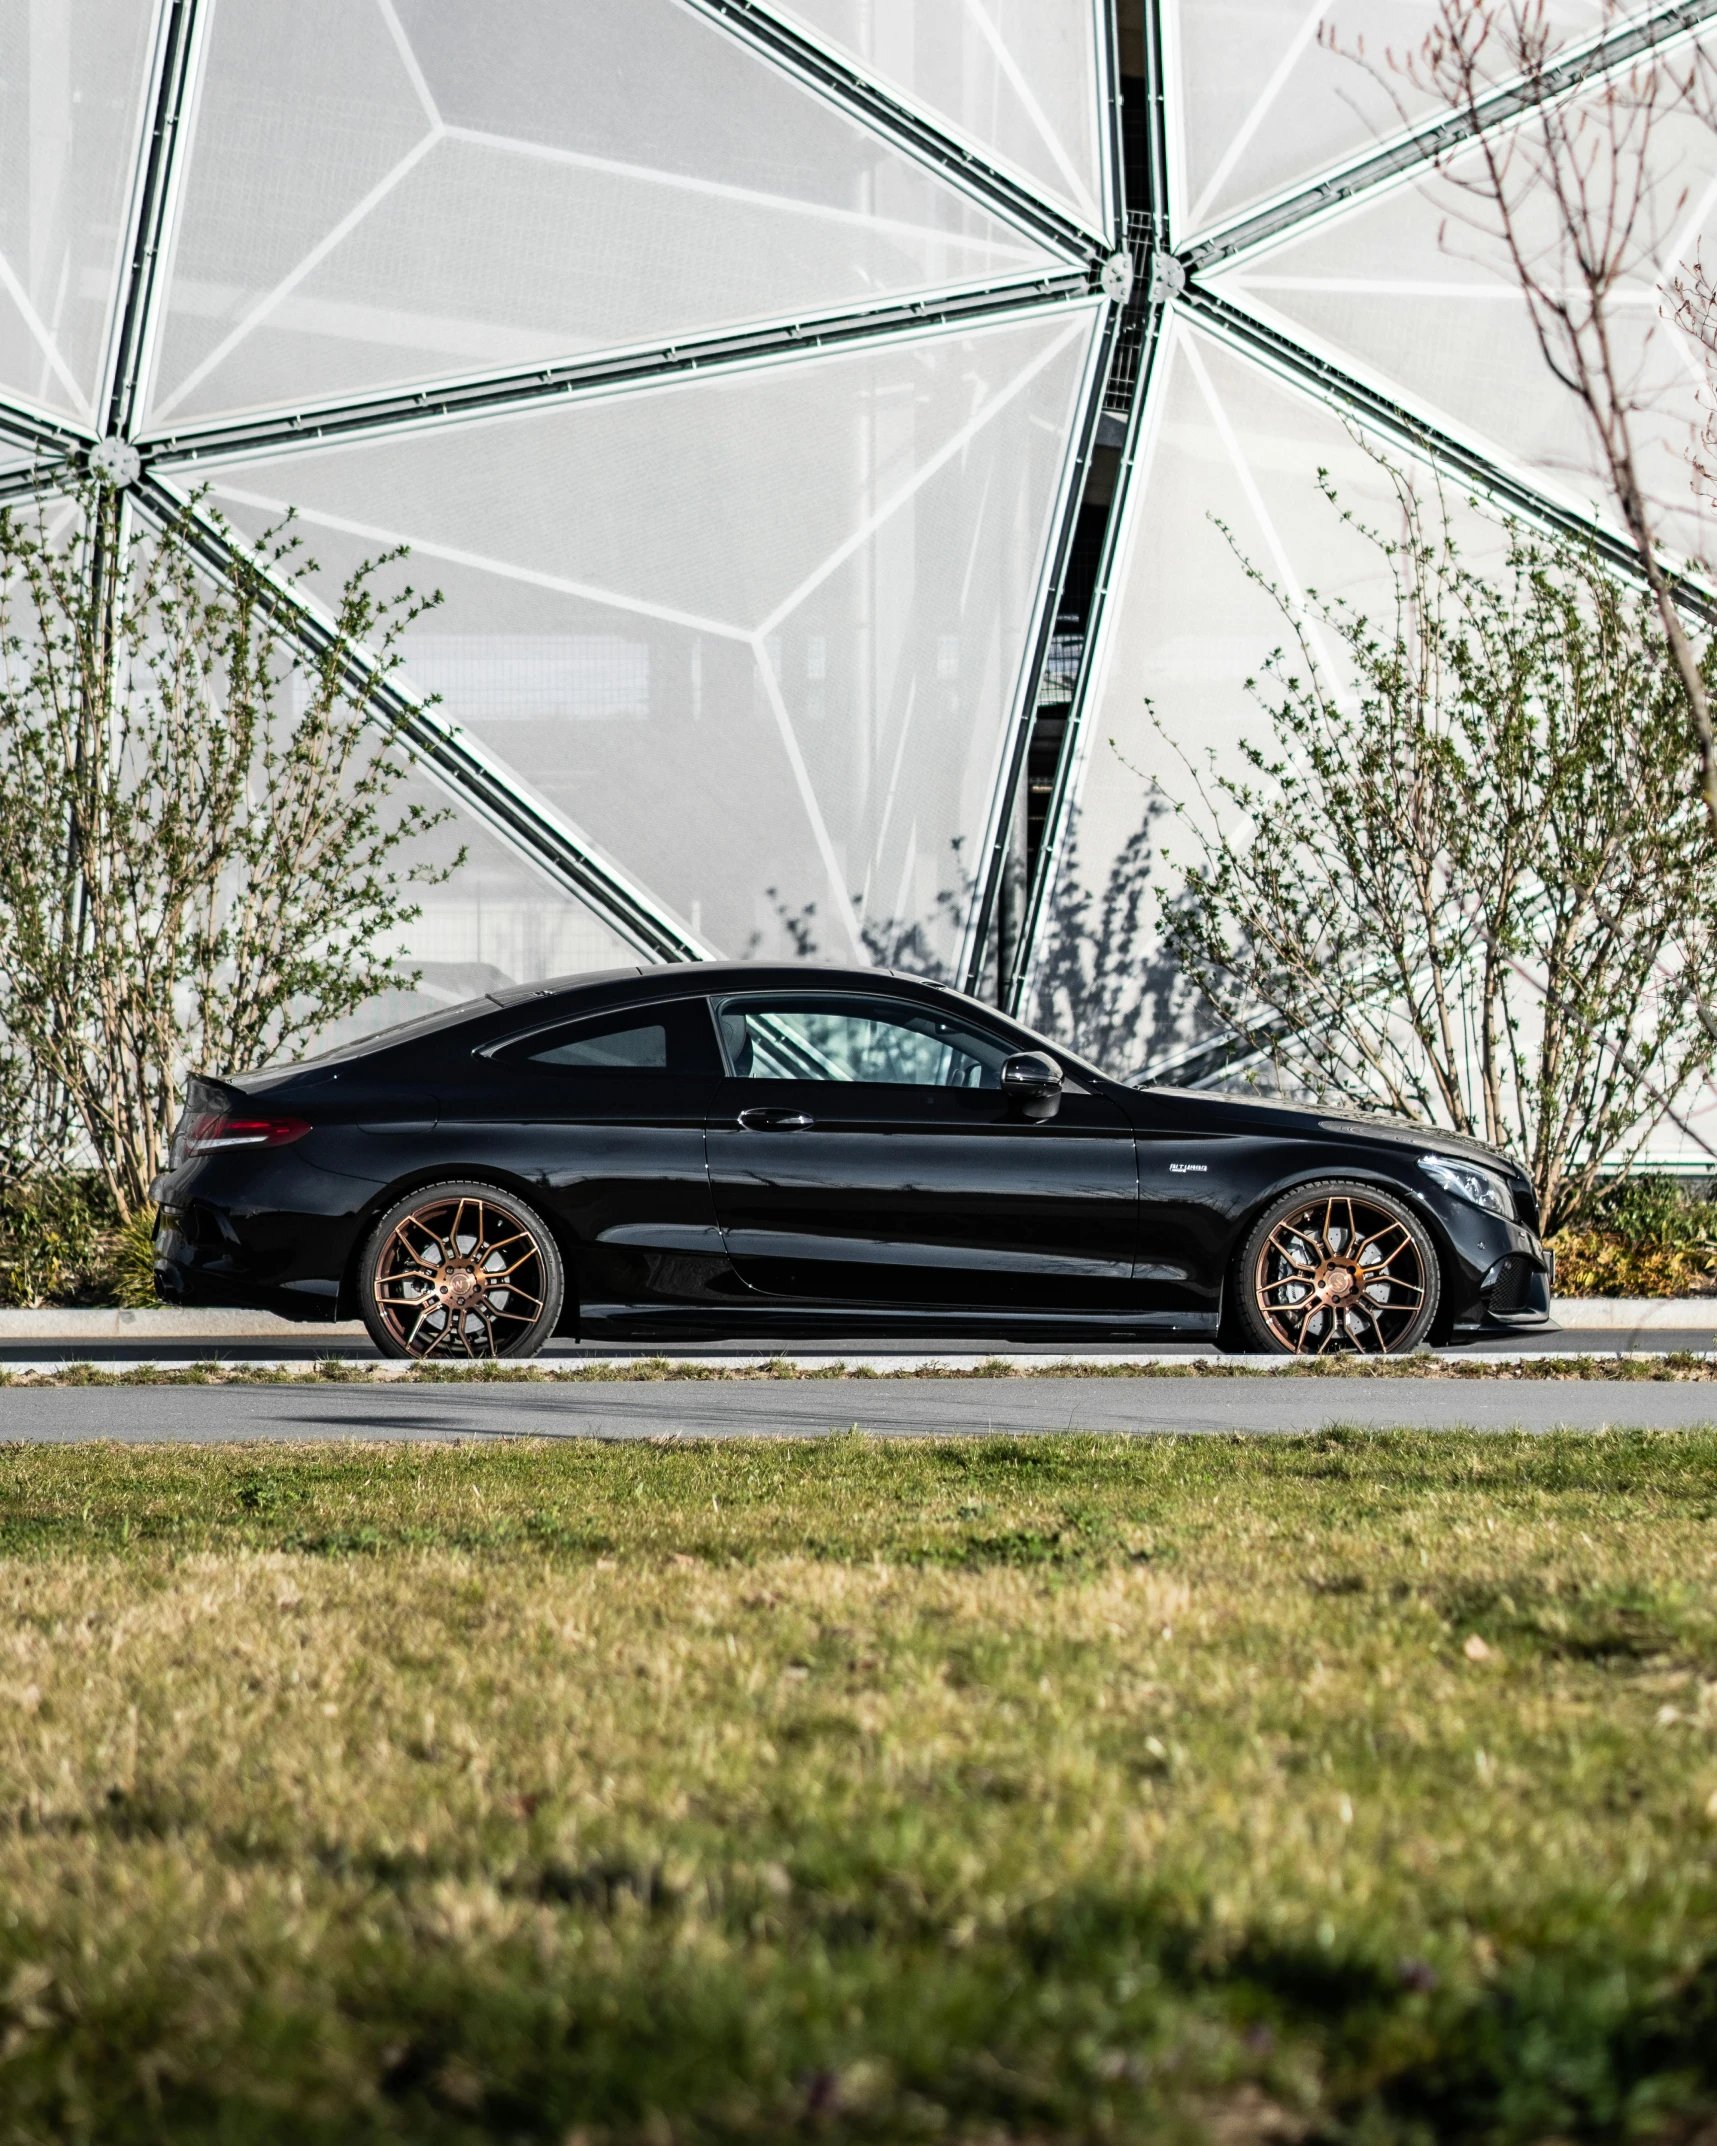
x=460, y=1271
x=1337, y=1268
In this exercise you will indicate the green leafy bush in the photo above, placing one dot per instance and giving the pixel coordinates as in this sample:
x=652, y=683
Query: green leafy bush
x=1648, y=1236
x=62, y=1242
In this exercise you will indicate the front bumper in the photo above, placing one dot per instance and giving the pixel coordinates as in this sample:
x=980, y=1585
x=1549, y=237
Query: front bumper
x=1498, y=1275
x=1516, y=1291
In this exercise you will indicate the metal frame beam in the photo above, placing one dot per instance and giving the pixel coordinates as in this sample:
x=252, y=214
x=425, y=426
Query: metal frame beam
x=36, y=433
x=1013, y=763
x=1063, y=799
x=397, y=411
x=35, y=482
x=1109, y=58
x=151, y=213
x=1009, y=796
x=1415, y=149
x=1148, y=309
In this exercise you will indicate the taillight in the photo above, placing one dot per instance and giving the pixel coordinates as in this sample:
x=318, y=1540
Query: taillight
x=220, y=1129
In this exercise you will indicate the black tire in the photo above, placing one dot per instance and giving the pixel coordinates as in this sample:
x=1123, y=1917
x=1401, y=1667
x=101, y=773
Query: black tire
x=1304, y=1285
x=461, y=1271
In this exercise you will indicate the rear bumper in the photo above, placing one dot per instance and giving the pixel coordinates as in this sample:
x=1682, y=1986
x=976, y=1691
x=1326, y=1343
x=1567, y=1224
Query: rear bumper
x=221, y=1243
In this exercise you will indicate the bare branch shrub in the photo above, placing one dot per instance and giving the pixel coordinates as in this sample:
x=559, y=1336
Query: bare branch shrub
x=1474, y=883
x=1582, y=208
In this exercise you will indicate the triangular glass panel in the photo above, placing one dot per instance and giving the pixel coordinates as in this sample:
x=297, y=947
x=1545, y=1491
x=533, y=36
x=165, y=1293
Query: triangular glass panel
x=1415, y=294
x=778, y=700
x=492, y=922
x=1275, y=92
x=1019, y=80
x=453, y=192
x=73, y=82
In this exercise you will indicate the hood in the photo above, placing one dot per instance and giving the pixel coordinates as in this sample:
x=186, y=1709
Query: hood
x=1259, y=1113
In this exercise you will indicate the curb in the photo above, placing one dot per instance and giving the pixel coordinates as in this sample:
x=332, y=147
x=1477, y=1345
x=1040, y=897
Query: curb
x=1585, y=1315
x=163, y=1323
x=1635, y=1315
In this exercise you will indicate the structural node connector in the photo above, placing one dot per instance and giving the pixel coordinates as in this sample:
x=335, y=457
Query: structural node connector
x=115, y=463
x=1168, y=277
x=1117, y=277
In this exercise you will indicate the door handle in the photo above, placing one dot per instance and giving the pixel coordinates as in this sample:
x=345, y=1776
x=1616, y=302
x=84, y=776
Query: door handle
x=775, y=1121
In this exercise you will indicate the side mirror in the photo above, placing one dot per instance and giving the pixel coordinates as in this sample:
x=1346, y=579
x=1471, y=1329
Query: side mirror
x=1033, y=1080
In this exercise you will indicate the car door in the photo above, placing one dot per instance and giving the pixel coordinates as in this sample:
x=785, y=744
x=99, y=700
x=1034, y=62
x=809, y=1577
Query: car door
x=861, y=1149
x=604, y=1117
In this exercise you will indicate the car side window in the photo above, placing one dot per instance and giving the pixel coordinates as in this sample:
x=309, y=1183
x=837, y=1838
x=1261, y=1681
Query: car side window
x=634, y=1042
x=643, y=1049
x=820, y=1037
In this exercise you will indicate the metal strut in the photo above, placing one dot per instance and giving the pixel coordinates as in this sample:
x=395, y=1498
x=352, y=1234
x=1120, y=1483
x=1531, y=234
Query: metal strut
x=1014, y=760
x=153, y=196
x=1397, y=422
x=488, y=395
x=1141, y=328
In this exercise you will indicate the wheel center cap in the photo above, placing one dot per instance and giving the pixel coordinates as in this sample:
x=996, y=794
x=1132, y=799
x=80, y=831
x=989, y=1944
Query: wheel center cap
x=1339, y=1281
x=458, y=1286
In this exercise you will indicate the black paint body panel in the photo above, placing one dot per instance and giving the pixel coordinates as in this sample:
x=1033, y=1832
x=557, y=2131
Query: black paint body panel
x=936, y=1212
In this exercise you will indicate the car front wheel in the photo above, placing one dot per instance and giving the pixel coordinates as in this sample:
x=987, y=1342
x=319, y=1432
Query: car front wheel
x=460, y=1271
x=1337, y=1268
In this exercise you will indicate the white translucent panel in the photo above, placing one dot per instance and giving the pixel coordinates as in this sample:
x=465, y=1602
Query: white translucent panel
x=495, y=921
x=1689, y=1149
x=73, y=80
x=759, y=638
x=386, y=191
x=1185, y=629
x=1414, y=293
x=1019, y=79
x=1272, y=92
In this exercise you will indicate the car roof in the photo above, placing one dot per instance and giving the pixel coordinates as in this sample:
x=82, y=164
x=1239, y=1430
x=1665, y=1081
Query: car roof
x=704, y=978
x=497, y=1013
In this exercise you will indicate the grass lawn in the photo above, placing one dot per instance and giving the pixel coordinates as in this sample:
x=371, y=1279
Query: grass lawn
x=1357, y=1787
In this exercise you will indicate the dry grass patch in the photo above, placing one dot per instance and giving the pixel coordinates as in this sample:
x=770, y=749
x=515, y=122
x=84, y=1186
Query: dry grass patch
x=1677, y=1366
x=1357, y=1787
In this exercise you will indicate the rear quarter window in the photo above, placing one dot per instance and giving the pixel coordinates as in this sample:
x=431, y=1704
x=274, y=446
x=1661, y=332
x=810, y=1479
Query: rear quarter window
x=629, y=1043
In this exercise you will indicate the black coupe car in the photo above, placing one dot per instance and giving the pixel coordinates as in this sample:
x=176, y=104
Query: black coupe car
x=775, y=1154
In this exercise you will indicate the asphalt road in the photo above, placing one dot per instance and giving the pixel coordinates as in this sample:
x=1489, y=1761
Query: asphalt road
x=905, y=1408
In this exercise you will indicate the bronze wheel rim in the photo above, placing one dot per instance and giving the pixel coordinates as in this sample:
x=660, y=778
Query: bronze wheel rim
x=1340, y=1274
x=460, y=1277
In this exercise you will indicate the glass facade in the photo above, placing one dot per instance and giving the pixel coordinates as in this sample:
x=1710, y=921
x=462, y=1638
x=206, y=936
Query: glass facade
x=834, y=427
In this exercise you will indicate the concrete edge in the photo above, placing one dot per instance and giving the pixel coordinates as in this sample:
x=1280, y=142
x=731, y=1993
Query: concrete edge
x=164, y=1323
x=1634, y=1315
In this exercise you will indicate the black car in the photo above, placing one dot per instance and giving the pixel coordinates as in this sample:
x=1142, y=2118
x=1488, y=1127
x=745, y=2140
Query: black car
x=755, y=1153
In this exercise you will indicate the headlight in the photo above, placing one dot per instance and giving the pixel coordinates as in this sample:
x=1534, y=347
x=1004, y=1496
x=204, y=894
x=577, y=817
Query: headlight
x=1481, y=1188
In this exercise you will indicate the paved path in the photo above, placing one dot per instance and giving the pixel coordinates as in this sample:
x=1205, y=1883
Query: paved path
x=809, y=1409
